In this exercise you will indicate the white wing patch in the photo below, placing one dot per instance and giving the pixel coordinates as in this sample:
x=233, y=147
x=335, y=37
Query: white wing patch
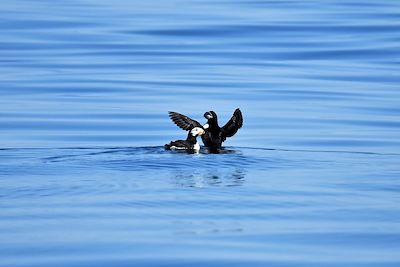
x=196, y=147
x=177, y=148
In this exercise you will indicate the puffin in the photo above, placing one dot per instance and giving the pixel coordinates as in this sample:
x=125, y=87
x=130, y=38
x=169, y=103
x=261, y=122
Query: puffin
x=190, y=144
x=214, y=135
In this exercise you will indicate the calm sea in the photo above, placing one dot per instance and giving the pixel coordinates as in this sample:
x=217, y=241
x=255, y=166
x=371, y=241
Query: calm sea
x=312, y=178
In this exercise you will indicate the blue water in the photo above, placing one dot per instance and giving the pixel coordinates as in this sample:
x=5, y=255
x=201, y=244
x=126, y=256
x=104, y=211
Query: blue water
x=312, y=178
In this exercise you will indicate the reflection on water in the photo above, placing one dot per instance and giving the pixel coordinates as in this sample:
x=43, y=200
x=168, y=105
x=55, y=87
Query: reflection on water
x=209, y=177
x=206, y=168
x=128, y=204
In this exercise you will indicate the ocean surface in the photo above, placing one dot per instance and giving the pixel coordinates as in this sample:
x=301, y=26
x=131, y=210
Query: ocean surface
x=312, y=179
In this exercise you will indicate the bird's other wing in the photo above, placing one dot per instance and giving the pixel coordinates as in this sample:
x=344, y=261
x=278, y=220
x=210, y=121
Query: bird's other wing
x=233, y=125
x=183, y=122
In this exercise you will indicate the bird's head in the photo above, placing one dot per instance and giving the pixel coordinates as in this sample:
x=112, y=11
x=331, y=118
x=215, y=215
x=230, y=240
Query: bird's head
x=197, y=131
x=210, y=115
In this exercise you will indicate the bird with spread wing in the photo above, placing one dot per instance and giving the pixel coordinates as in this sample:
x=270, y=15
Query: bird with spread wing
x=214, y=134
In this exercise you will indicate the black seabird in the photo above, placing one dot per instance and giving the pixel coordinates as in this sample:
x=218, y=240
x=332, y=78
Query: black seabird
x=214, y=135
x=189, y=144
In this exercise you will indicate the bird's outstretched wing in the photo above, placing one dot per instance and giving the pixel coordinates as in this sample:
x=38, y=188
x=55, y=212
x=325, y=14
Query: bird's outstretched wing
x=233, y=125
x=183, y=122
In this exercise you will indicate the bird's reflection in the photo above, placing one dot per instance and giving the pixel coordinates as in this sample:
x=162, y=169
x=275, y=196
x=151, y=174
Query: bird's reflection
x=207, y=150
x=209, y=178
